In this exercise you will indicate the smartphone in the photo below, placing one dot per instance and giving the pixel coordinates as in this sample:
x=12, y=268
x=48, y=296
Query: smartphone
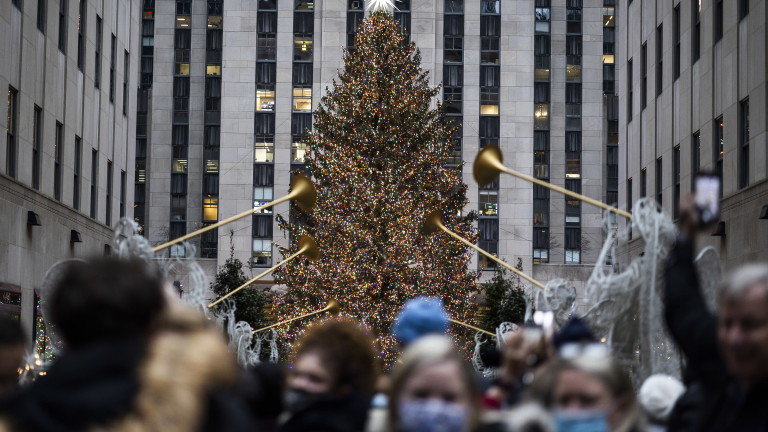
x=707, y=198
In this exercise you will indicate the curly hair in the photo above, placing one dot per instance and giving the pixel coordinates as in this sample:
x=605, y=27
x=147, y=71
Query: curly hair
x=347, y=350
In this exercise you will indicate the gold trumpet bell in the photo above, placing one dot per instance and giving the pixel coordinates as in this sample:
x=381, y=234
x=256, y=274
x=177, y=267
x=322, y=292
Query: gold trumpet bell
x=433, y=222
x=309, y=247
x=333, y=307
x=303, y=192
x=487, y=165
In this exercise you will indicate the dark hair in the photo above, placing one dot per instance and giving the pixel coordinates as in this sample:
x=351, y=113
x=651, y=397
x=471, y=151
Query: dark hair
x=347, y=351
x=104, y=299
x=10, y=332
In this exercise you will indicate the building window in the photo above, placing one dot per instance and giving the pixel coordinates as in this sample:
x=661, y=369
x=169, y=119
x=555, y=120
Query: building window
x=744, y=143
x=630, y=203
x=676, y=179
x=109, y=193
x=299, y=151
x=302, y=99
x=97, y=54
x=264, y=151
x=18, y=4
x=630, y=93
x=77, y=173
x=659, y=59
x=542, y=20
x=696, y=31
x=644, y=71
x=265, y=99
x=10, y=301
x=63, y=11
x=572, y=256
x=58, y=151
x=261, y=196
x=94, y=182
x=112, y=66
x=81, y=22
x=42, y=10
x=718, y=24
x=126, y=76
x=695, y=156
x=262, y=253
x=37, y=137
x=540, y=245
x=122, y=194
x=677, y=41
x=11, y=145
x=743, y=9
x=489, y=203
x=210, y=209
x=659, y=181
x=302, y=47
x=643, y=183
x=719, y=148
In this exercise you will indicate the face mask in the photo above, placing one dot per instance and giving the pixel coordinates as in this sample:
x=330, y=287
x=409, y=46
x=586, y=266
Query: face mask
x=432, y=415
x=581, y=421
x=297, y=400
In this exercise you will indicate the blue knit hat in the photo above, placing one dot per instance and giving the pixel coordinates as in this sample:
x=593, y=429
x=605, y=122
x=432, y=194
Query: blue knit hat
x=420, y=316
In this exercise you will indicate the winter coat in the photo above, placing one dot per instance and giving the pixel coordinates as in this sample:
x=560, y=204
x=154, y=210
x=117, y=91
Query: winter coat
x=178, y=382
x=714, y=400
x=348, y=414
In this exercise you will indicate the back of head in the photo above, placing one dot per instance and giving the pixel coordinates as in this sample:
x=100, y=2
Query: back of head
x=420, y=316
x=347, y=349
x=106, y=299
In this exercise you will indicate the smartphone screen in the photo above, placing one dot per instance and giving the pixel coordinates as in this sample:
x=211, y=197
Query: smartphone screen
x=707, y=198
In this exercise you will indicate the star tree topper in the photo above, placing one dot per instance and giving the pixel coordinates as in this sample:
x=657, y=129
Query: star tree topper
x=372, y=6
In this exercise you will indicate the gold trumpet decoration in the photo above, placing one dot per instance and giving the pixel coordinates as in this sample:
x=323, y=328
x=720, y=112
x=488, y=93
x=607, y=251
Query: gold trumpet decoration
x=302, y=192
x=489, y=163
x=307, y=247
x=471, y=327
x=332, y=307
x=434, y=223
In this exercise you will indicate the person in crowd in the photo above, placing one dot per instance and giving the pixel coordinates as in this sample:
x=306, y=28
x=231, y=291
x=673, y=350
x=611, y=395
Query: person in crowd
x=332, y=378
x=419, y=316
x=263, y=388
x=129, y=362
x=591, y=392
x=657, y=397
x=433, y=389
x=725, y=355
x=12, y=351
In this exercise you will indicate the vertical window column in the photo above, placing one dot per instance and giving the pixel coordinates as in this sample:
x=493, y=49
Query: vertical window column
x=11, y=134
x=58, y=153
x=37, y=138
x=541, y=145
x=573, y=87
x=82, y=18
x=453, y=75
x=489, y=133
x=718, y=147
x=355, y=15
x=108, y=203
x=180, y=129
x=77, y=173
x=264, y=127
x=212, y=129
x=402, y=15
x=142, y=111
x=94, y=183
x=744, y=143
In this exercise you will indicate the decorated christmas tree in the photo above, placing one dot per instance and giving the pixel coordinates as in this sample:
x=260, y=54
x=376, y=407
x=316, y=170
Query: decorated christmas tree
x=378, y=159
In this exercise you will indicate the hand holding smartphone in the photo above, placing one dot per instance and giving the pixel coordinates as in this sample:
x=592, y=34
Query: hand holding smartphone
x=707, y=198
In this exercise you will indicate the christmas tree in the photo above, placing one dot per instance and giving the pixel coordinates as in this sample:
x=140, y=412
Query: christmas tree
x=378, y=159
x=504, y=299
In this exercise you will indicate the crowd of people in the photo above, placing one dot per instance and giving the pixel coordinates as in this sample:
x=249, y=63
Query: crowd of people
x=136, y=359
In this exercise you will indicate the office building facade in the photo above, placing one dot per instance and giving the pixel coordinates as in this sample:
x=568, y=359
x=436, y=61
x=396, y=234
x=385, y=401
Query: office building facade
x=534, y=77
x=66, y=159
x=693, y=98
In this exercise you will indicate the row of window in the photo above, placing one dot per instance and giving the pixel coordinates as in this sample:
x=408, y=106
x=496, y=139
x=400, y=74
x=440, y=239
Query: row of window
x=37, y=143
x=718, y=14
x=718, y=154
x=541, y=129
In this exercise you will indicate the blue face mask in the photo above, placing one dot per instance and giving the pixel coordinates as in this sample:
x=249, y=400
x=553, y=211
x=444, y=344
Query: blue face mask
x=581, y=421
x=432, y=415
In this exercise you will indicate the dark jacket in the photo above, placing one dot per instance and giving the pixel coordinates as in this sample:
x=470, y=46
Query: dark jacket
x=349, y=414
x=178, y=382
x=714, y=400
